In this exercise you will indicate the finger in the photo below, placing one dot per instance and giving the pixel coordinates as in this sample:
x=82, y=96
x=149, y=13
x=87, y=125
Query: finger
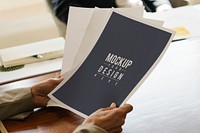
x=112, y=106
x=126, y=108
x=59, y=78
x=55, y=81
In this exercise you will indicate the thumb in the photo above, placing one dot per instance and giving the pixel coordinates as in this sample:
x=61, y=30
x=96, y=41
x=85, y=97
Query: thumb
x=127, y=108
x=57, y=80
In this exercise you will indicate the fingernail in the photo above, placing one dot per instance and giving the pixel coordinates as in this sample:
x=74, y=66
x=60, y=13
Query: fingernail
x=113, y=105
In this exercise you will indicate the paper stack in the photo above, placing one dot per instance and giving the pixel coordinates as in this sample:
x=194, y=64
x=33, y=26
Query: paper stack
x=108, y=54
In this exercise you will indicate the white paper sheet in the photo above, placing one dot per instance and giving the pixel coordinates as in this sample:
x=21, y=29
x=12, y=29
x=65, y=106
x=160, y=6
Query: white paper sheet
x=97, y=23
x=77, y=27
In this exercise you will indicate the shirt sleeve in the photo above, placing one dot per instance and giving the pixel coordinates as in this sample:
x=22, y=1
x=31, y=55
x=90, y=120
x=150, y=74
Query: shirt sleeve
x=14, y=102
x=86, y=128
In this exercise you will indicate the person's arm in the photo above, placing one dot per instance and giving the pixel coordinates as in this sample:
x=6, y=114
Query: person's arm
x=87, y=128
x=14, y=102
x=26, y=99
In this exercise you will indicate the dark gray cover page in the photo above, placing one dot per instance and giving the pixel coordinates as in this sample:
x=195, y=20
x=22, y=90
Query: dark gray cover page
x=123, y=54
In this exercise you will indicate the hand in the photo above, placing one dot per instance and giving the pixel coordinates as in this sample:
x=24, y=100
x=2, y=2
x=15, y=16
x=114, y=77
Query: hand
x=42, y=89
x=110, y=119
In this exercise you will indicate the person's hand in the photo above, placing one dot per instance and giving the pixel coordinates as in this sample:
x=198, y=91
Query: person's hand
x=110, y=119
x=42, y=89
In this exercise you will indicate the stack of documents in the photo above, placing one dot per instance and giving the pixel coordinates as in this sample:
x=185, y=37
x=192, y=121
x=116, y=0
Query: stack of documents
x=107, y=56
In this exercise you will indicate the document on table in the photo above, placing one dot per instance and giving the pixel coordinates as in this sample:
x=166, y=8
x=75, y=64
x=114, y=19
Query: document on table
x=186, y=17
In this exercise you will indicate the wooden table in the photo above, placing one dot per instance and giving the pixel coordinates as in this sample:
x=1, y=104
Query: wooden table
x=46, y=120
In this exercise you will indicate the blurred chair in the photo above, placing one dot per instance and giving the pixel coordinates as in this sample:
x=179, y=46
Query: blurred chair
x=177, y=3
